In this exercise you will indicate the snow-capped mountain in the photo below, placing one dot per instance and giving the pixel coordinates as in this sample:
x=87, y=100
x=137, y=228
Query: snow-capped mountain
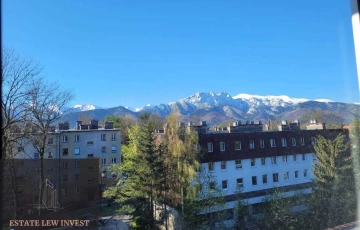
x=85, y=107
x=217, y=108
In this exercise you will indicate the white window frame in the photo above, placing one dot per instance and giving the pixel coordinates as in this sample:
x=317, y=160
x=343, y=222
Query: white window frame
x=113, y=136
x=103, y=161
x=210, y=147
x=77, y=164
x=262, y=143
x=238, y=184
x=77, y=178
x=272, y=143
x=296, y=174
x=113, y=149
x=113, y=160
x=283, y=142
x=293, y=139
x=263, y=161
x=77, y=190
x=263, y=178
x=286, y=176
x=222, y=146
x=252, y=160
x=64, y=138
x=285, y=158
x=252, y=144
x=103, y=137
x=273, y=160
x=302, y=141
x=223, y=163
x=275, y=175
x=77, y=138
x=238, y=166
x=103, y=149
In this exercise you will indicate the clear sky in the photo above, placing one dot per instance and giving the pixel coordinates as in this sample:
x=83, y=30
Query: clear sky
x=133, y=53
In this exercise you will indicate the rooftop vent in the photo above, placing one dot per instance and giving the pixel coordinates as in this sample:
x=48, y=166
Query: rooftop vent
x=284, y=122
x=252, y=122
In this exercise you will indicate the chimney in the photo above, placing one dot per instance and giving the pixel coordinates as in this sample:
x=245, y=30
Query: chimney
x=109, y=125
x=252, y=122
x=203, y=123
x=284, y=122
x=78, y=125
x=235, y=124
x=259, y=122
x=190, y=123
x=94, y=124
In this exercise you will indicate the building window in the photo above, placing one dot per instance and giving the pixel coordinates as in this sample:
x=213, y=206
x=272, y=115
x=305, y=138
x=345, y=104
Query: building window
x=64, y=178
x=65, y=165
x=77, y=138
x=303, y=156
x=222, y=146
x=237, y=145
x=77, y=151
x=252, y=144
x=77, y=164
x=293, y=141
x=77, y=190
x=113, y=160
x=272, y=143
x=264, y=179
x=113, y=137
x=239, y=182
x=275, y=177
x=103, y=149
x=77, y=176
x=283, y=142
x=296, y=174
x=302, y=141
x=90, y=155
x=286, y=176
x=49, y=170
x=35, y=185
x=211, y=166
x=103, y=161
x=252, y=161
x=65, y=152
x=103, y=137
x=50, y=141
x=254, y=180
x=223, y=165
x=294, y=157
x=90, y=143
x=262, y=143
x=64, y=138
x=64, y=191
x=197, y=147
x=113, y=149
x=224, y=184
x=212, y=185
x=50, y=155
x=90, y=167
x=273, y=160
x=313, y=140
x=238, y=164
x=36, y=199
x=210, y=147
x=305, y=173
x=284, y=158
x=263, y=161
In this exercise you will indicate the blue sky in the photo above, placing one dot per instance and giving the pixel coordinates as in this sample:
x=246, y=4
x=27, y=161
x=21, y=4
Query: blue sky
x=133, y=53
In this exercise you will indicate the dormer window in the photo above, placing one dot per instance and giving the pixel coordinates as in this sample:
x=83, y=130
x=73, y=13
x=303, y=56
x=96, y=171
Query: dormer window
x=222, y=146
x=252, y=144
x=272, y=143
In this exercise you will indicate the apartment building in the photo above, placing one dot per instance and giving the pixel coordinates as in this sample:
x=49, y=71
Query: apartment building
x=76, y=164
x=256, y=162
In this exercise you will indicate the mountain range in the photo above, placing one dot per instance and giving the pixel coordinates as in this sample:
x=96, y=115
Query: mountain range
x=222, y=107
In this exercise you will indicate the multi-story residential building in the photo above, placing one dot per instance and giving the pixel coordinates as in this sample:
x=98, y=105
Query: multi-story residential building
x=244, y=157
x=66, y=162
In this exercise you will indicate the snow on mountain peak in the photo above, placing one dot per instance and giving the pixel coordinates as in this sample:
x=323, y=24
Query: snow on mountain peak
x=85, y=107
x=284, y=98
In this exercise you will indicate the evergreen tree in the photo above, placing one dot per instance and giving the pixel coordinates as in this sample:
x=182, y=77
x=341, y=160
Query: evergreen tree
x=333, y=200
x=355, y=151
x=140, y=192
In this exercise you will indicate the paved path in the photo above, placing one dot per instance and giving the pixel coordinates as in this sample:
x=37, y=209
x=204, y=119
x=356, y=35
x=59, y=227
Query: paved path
x=117, y=223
